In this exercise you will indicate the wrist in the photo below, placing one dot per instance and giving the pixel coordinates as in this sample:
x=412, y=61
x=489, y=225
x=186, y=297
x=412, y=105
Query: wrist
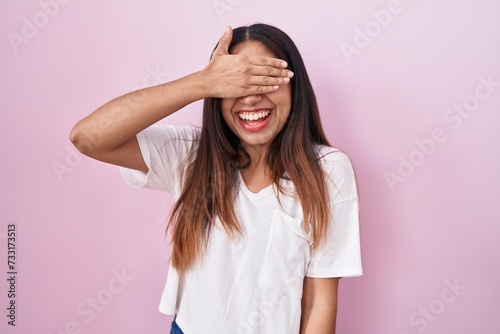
x=202, y=85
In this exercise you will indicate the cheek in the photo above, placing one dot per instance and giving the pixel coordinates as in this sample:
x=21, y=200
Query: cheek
x=226, y=106
x=282, y=96
x=225, y=103
x=227, y=119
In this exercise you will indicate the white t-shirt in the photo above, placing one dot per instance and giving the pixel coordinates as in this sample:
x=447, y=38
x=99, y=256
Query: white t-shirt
x=253, y=284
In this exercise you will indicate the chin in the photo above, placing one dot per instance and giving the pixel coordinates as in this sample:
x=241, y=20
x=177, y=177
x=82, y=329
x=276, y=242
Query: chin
x=256, y=140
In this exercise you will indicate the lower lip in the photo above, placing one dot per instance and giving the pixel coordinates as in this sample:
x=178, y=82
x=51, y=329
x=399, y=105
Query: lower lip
x=254, y=128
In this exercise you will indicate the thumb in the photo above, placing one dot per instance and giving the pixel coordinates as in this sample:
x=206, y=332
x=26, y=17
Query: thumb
x=225, y=40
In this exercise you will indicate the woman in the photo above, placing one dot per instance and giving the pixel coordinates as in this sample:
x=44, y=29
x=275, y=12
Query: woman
x=265, y=221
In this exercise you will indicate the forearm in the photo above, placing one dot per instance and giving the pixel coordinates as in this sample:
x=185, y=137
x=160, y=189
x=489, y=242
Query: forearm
x=119, y=120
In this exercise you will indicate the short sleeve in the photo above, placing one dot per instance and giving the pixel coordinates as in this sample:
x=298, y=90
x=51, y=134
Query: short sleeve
x=340, y=255
x=165, y=150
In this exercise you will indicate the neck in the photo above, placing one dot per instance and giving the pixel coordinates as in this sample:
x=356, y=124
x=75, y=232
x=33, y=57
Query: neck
x=257, y=175
x=258, y=156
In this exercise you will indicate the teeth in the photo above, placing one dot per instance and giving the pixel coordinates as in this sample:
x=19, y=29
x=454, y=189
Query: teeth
x=252, y=116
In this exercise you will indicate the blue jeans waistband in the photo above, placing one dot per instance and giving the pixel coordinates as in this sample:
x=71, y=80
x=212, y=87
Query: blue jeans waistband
x=175, y=329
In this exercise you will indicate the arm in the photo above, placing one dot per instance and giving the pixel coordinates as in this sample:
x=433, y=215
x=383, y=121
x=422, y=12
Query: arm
x=109, y=133
x=319, y=305
x=341, y=256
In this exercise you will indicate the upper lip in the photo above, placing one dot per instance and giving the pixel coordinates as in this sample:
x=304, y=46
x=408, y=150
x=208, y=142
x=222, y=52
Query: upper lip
x=253, y=110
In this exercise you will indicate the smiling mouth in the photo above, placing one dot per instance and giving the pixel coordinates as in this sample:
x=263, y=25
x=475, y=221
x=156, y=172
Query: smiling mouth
x=253, y=118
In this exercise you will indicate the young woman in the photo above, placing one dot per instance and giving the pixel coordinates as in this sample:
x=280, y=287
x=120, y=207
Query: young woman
x=265, y=221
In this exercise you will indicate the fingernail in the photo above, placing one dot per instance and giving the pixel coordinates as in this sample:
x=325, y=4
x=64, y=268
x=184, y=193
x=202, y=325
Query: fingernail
x=286, y=80
x=227, y=30
x=290, y=74
x=284, y=64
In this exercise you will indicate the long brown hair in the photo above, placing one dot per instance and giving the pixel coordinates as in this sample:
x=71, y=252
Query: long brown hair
x=211, y=180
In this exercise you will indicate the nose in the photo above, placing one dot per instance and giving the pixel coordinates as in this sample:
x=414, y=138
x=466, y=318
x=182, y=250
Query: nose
x=251, y=99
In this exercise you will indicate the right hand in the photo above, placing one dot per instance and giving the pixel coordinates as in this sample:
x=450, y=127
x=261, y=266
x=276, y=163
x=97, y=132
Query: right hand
x=233, y=76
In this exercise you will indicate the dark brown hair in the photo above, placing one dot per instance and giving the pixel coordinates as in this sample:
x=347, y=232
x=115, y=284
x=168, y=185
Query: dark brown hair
x=211, y=180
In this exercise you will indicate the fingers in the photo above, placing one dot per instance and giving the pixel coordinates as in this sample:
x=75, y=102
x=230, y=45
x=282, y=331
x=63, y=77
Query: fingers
x=269, y=71
x=261, y=84
x=268, y=81
x=272, y=72
x=269, y=76
x=263, y=89
x=268, y=61
x=225, y=40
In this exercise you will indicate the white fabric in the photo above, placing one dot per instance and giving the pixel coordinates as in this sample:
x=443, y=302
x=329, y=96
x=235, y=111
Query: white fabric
x=252, y=284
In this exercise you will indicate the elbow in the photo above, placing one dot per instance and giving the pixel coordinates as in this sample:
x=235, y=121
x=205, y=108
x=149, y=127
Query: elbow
x=73, y=136
x=80, y=140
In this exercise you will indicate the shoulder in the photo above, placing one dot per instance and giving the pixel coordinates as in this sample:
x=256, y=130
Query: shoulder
x=333, y=158
x=169, y=145
x=339, y=172
x=173, y=132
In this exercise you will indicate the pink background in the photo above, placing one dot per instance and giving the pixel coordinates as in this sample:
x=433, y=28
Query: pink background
x=79, y=224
